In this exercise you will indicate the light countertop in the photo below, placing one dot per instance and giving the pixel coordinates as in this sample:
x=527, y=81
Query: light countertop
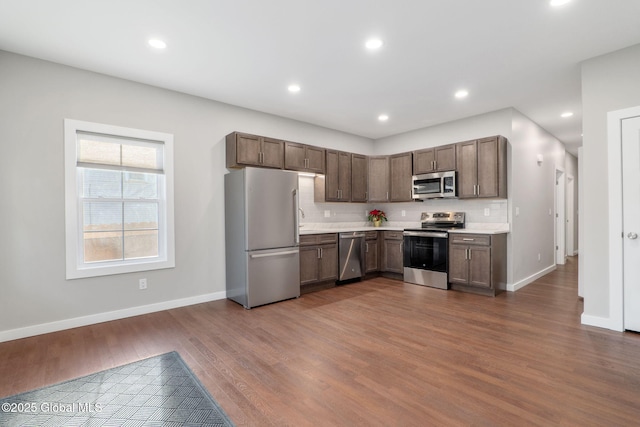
x=340, y=227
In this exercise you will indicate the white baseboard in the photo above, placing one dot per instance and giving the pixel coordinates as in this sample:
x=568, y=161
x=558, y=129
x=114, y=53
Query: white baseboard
x=600, y=322
x=524, y=282
x=29, y=331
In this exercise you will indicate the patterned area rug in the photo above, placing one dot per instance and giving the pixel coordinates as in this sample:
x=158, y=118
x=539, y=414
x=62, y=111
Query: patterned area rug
x=159, y=391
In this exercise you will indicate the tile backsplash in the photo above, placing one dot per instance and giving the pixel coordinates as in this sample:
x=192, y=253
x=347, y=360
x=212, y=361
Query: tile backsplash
x=356, y=212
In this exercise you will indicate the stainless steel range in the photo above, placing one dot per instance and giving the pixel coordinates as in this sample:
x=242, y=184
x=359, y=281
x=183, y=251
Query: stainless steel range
x=426, y=249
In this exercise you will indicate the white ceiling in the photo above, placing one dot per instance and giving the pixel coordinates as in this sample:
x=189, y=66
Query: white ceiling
x=506, y=53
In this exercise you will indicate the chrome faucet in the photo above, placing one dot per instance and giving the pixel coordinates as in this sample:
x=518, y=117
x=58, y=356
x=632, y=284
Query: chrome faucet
x=301, y=211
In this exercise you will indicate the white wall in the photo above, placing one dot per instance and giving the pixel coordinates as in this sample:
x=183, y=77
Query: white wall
x=571, y=168
x=609, y=83
x=35, y=97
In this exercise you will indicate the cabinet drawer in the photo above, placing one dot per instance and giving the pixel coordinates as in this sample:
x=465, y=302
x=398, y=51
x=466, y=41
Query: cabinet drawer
x=470, y=239
x=370, y=235
x=316, y=239
x=393, y=235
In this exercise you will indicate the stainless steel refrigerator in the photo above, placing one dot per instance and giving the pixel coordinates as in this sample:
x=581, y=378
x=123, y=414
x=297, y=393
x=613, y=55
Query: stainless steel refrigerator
x=261, y=236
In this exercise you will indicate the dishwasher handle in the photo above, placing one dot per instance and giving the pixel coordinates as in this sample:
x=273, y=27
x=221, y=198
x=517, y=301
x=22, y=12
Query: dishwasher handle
x=351, y=235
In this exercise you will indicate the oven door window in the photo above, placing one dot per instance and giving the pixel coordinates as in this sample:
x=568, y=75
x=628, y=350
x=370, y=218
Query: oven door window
x=427, y=186
x=426, y=253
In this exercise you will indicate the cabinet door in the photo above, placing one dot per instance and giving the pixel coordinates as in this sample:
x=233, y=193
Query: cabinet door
x=400, y=172
x=480, y=266
x=248, y=149
x=423, y=161
x=467, y=161
x=272, y=153
x=315, y=159
x=344, y=176
x=392, y=259
x=294, y=156
x=445, y=158
x=331, y=183
x=328, y=262
x=358, y=178
x=378, y=179
x=371, y=256
x=458, y=264
x=488, y=167
x=309, y=272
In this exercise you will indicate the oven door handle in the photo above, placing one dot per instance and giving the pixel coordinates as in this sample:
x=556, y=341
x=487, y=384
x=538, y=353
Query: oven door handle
x=425, y=234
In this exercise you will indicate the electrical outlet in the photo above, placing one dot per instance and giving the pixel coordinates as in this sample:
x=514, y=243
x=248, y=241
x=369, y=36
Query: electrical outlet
x=142, y=284
x=404, y=213
x=327, y=213
x=487, y=211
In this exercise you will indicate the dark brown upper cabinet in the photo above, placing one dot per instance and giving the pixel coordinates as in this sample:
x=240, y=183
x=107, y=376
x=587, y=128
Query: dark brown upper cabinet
x=359, y=176
x=252, y=150
x=436, y=159
x=338, y=177
x=303, y=158
x=400, y=174
x=482, y=168
x=378, y=182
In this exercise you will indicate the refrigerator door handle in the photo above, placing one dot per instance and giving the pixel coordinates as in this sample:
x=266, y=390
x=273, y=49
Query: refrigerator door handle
x=274, y=254
x=296, y=210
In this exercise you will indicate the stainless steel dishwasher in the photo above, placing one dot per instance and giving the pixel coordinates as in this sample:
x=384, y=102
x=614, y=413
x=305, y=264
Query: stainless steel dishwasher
x=352, y=256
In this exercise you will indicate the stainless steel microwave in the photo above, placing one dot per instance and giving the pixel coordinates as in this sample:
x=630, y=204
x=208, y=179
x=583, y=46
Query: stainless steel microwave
x=434, y=185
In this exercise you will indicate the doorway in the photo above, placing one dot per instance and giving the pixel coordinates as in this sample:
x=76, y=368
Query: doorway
x=560, y=228
x=571, y=215
x=624, y=218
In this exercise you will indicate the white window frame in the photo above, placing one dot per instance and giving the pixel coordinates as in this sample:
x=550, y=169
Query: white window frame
x=76, y=267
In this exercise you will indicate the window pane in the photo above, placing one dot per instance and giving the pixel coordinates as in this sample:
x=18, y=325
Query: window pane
x=101, y=183
x=141, y=157
x=102, y=216
x=102, y=246
x=90, y=151
x=140, y=185
x=141, y=244
x=140, y=216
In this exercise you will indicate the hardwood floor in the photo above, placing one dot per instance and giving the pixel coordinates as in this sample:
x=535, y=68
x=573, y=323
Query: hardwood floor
x=374, y=353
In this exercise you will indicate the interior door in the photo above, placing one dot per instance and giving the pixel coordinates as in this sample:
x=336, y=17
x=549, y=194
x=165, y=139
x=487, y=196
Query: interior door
x=631, y=221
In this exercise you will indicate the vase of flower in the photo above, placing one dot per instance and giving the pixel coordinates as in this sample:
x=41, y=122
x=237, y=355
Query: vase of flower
x=377, y=216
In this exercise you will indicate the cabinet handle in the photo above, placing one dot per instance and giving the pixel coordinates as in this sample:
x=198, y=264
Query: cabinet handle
x=469, y=253
x=475, y=191
x=318, y=250
x=387, y=195
x=366, y=247
x=435, y=165
x=466, y=239
x=478, y=189
x=321, y=254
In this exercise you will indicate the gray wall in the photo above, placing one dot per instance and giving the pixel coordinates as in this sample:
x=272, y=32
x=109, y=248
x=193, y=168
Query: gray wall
x=35, y=97
x=609, y=83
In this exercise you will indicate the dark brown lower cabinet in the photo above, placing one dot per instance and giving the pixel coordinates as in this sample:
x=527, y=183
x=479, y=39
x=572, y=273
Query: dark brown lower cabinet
x=318, y=259
x=392, y=252
x=478, y=263
x=372, y=252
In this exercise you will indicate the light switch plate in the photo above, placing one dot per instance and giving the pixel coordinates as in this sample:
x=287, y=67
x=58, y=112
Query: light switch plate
x=327, y=213
x=487, y=211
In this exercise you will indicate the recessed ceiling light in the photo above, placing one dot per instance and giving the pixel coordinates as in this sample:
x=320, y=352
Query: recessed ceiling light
x=566, y=114
x=373, y=44
x=383, y=117
x=157, y=43
x=461, y=94
x=556, y=3
x=294, y=88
